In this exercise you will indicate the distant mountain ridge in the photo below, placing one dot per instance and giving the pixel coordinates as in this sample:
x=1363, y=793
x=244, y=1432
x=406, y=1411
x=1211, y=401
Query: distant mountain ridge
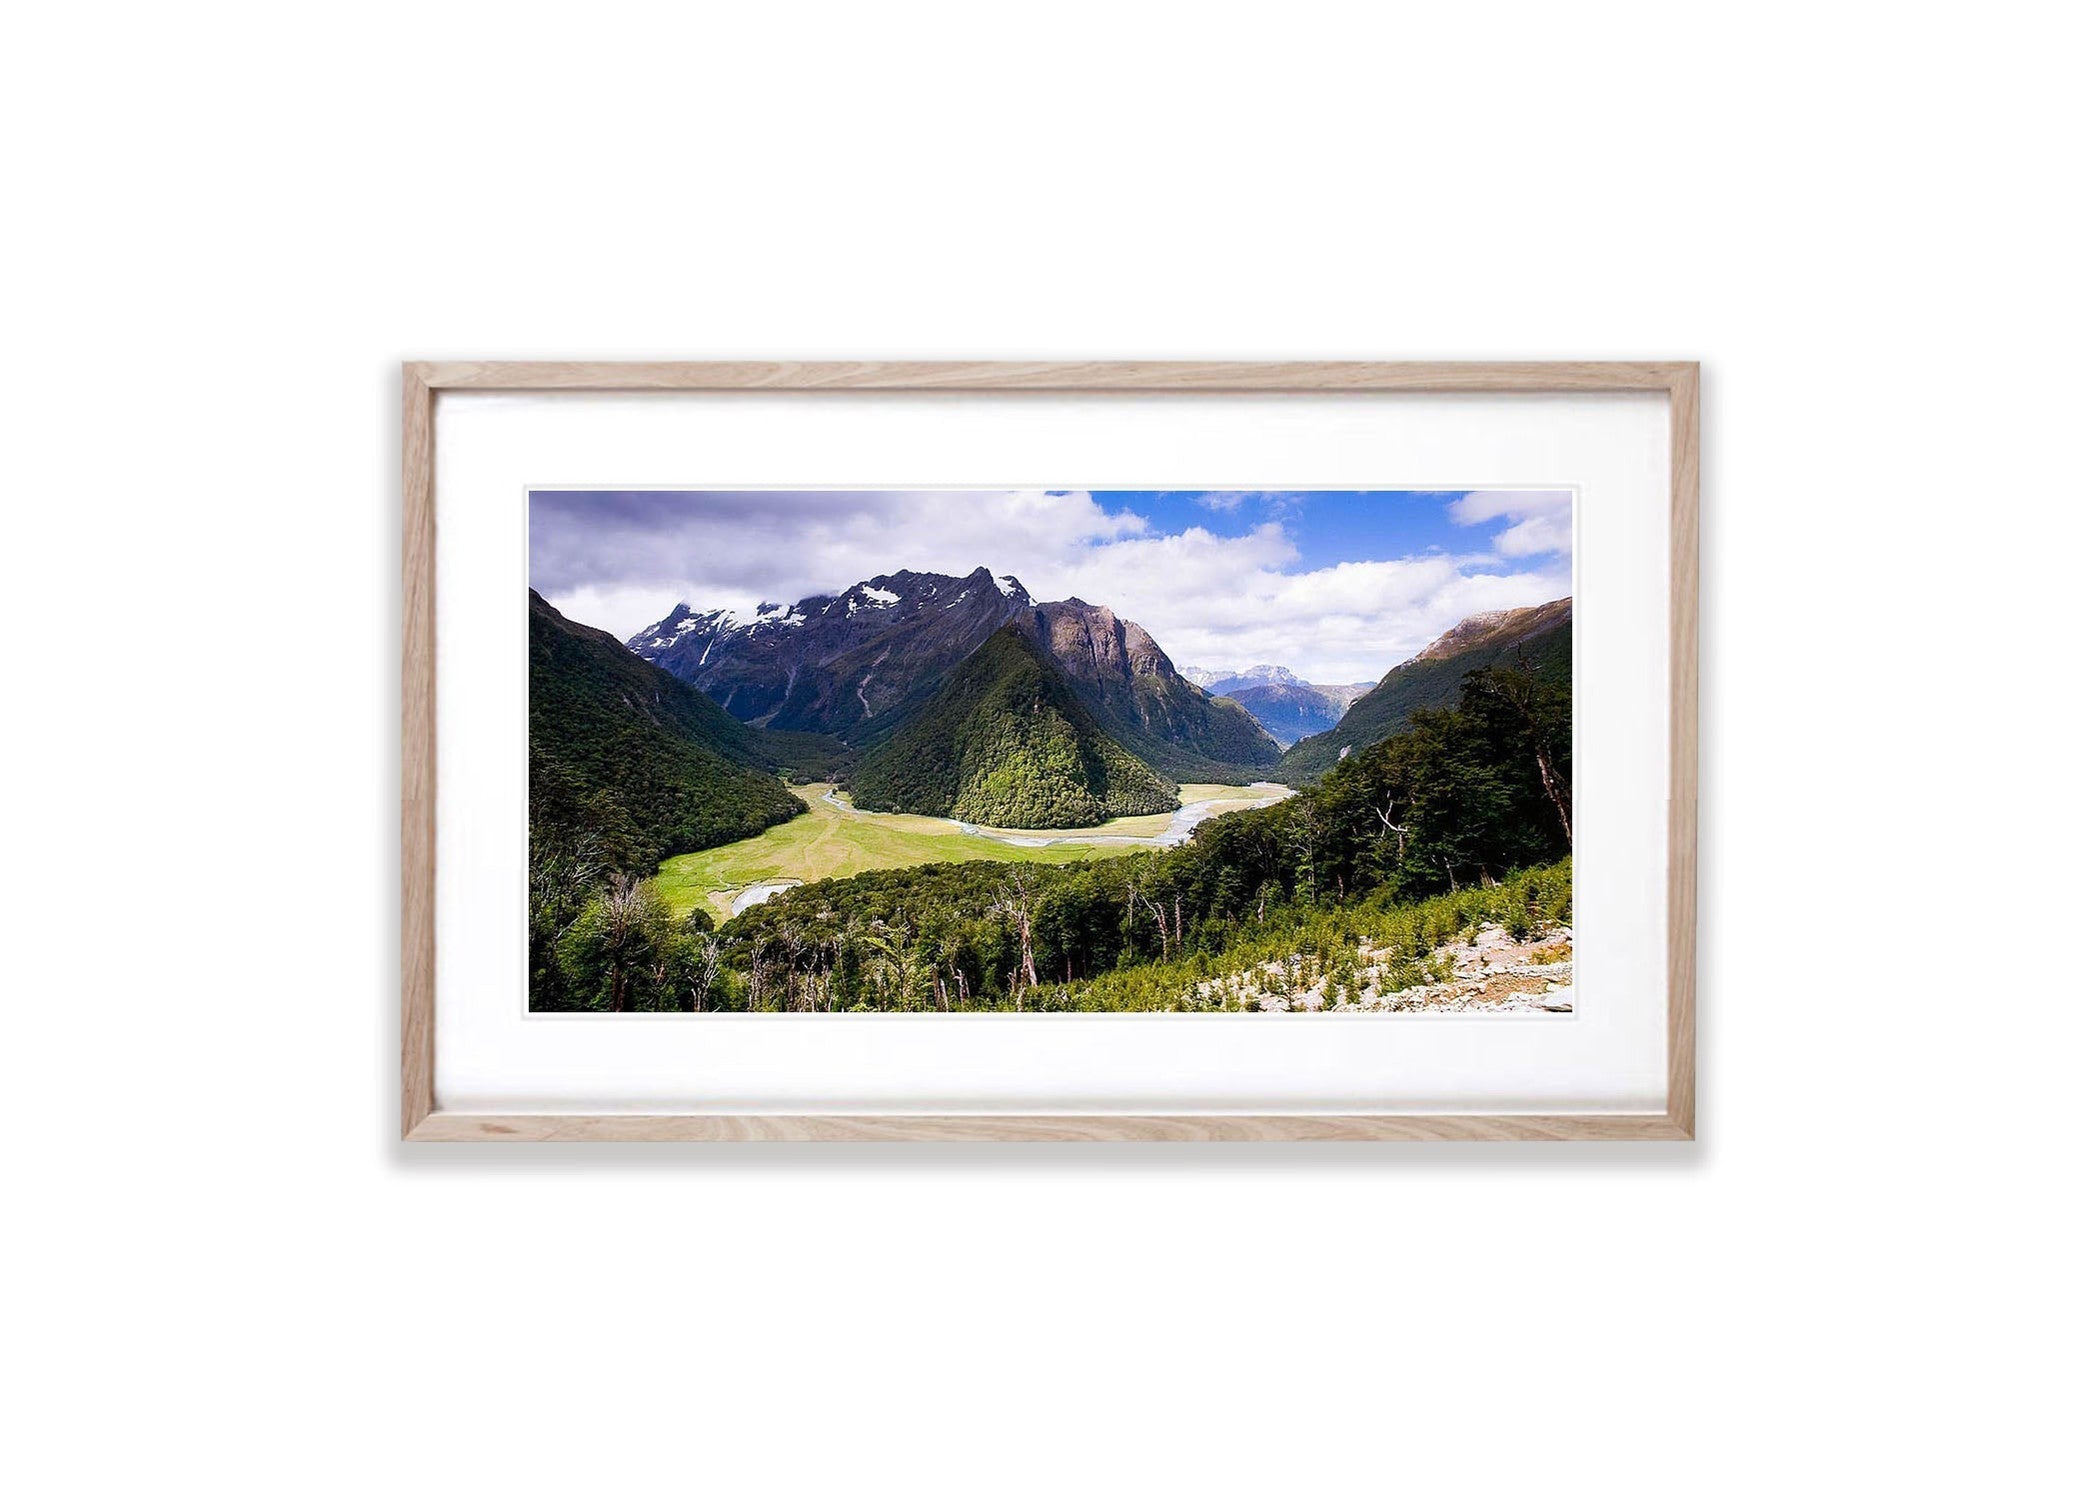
x=1286, y=706
x=1542, y=635
x=1224, y=683
x=1289, y=711
x=859, y=664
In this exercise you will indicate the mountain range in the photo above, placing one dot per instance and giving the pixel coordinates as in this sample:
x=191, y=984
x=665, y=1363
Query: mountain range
x=1281, y=701
x=833, y=663
x=1542, y=636
x=960, y=697
x=1223, y=682
x=859, y=664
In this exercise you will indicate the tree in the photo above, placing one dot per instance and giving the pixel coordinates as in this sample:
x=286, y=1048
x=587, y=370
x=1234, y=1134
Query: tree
x=695, y=962
x=1463, y=797
x=1016, y=902
x=1522, y=708
x=612, y=952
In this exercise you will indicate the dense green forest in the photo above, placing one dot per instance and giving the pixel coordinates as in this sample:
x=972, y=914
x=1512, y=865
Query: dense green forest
x=1461, y=817
x=1226, y=722
x=1006, y=743
x=629, y=766
x=1541, y=639
x=672, y=771
x=1254, y=760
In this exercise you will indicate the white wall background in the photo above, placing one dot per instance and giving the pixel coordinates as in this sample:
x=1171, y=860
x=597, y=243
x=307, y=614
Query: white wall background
x=226, y=226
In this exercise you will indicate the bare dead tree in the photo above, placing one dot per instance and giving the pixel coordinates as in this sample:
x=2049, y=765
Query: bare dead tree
x=1016, y=902
x=710, y=968
x=1555, y=792
x=797, y=982
x=626, y=907
x=1397, y=830
x=1136, y=890
x=1158, y=911
x=757, y=994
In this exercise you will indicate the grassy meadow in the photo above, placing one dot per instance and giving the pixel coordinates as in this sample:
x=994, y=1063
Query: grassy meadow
x=828, y=842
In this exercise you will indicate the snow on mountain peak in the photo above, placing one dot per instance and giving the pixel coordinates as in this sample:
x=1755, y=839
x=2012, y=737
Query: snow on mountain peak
x=867, y=596
x=1216, y=681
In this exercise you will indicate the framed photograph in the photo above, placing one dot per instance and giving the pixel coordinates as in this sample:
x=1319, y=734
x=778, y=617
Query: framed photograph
x=1049, y=751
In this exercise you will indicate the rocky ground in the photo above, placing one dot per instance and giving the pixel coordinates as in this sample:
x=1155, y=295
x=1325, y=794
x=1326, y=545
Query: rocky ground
x=1492, y=974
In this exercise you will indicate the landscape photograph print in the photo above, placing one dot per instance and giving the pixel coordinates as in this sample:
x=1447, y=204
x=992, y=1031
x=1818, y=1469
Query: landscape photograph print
x=1213, y=752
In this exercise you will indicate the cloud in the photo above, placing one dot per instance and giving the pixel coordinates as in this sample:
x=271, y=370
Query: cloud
x=1350, y=622
x=1542, y=520
x=620, y=560
x=740, y=548
x=1273, y=502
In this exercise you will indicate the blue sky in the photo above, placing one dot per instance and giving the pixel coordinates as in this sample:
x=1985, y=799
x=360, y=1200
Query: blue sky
x=1337, y=586
x=1326, y=525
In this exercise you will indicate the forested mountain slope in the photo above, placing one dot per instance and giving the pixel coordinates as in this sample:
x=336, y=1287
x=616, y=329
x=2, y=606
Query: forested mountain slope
x=631, y=763
x=1541, y=637
x=1005, y=741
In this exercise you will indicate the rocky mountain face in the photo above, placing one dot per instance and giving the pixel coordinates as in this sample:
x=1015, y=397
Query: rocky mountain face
x=1498, y=628
x=1121, y=674
x=1542, y=636
x=834, y=664
x=859, y=664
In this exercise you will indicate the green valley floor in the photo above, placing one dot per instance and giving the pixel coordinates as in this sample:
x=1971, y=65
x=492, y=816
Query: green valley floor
x=833, y=839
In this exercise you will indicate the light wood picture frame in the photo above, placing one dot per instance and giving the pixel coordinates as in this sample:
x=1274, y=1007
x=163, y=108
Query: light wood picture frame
x=422, y=383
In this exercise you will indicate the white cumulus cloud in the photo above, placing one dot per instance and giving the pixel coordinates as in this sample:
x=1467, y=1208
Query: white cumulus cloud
x=1541, y=521
x=619, y=561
